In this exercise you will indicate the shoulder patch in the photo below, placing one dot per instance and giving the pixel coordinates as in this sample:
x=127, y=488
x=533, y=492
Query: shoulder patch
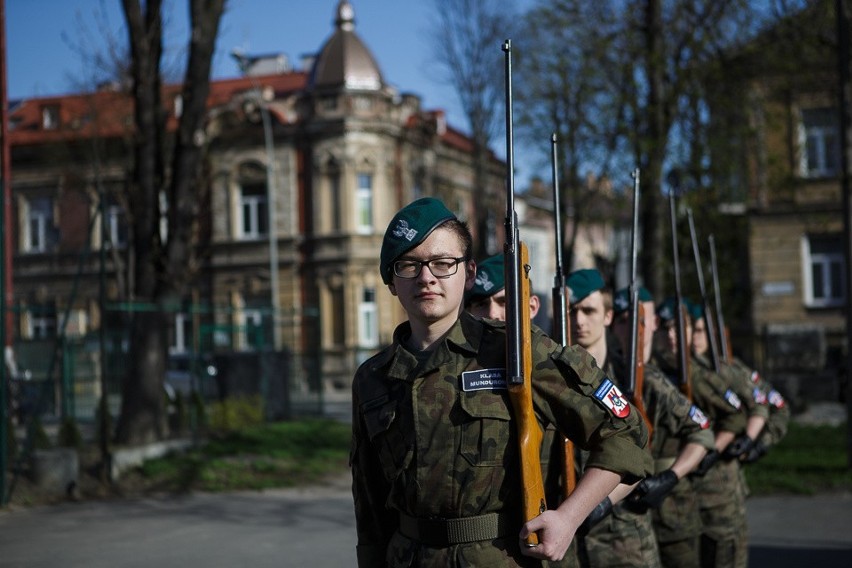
x=698, y=417
x=484, y=379
x=733, y=399
x=759, y=396
x=775, y=399
x=612, y=398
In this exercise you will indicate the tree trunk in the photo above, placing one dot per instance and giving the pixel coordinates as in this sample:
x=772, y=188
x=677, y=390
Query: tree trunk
x=164, y=270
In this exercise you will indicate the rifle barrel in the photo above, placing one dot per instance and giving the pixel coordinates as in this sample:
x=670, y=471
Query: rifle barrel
x=560, y=305
x=708, y=316
x=682, y=345
x=720, y=318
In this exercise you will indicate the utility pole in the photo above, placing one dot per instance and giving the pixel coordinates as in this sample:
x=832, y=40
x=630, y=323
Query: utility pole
x=243, y=62
x=845, y=86
x=5, y=256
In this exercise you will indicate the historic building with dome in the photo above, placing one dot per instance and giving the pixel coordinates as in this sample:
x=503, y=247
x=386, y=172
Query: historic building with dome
x=306, y=168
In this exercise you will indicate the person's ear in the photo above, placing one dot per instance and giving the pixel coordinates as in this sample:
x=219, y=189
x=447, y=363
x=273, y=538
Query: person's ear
x=392, y=289
x=469, y=274
x=608, y=317
x=535, y=305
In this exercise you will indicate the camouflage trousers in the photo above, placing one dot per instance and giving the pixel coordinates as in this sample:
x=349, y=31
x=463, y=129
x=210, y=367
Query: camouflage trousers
x=724, y=533
x=622, y=540
x=677, y=525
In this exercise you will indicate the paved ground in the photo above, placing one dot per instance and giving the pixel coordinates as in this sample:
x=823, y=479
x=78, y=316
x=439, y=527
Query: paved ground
x=315, y=528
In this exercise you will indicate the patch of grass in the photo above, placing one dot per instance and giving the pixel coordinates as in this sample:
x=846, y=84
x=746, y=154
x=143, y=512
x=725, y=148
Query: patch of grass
x=809, y=460
x=282, y=454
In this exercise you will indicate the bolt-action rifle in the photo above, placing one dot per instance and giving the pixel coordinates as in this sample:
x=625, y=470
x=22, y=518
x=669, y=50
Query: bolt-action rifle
x=724, y=338
x=705, y=301
x=518, y=334
x=680, y=309
x=560, y=319
x=636, y=373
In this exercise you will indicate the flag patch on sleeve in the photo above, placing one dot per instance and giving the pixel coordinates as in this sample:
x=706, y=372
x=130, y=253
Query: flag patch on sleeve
x=733, y=399
x=612, y=398
x=759, y=396
x=775, y=399
x=698, y=417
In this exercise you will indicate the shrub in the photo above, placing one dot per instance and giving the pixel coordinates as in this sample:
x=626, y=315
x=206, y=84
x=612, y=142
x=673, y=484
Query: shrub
x=69, y=434
x=236, y=413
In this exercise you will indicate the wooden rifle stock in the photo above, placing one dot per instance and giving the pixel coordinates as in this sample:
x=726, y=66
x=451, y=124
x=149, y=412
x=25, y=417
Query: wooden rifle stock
x=519, y=336
x=561, y=328
x=683, y=354
x=639, y=370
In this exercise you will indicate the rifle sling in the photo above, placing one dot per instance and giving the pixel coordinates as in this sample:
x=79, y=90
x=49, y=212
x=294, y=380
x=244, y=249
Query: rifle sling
x=437, y=532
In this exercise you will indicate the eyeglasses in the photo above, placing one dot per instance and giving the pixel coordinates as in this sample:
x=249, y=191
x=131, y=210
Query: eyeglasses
x=439, y=267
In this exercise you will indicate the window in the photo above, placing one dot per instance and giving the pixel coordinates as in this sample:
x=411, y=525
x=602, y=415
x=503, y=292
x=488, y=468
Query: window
x=337, y=313
x=368, y=320
x=50, y=117
x=41, y=321
x=819, y=141
x=824, y=271
x=116, y=225
x=364, y=198
x=254, y=209
x=335, y=201
x=182, y=334
x=40, y=234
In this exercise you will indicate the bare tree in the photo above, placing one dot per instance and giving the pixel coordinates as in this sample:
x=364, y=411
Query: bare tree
x=163, y=167
x=569, y=78
x=467, y=35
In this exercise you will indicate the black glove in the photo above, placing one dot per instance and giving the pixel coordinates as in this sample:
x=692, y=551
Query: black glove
x=598, y=514
x=651, y=491
x=709, y=461
x=738, y=447
x=757, y=451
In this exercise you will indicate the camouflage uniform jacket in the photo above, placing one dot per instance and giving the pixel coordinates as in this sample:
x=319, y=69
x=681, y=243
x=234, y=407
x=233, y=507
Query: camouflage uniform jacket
x=739, y=381
x=683, y=422
x=429, y=441
x=779, y=410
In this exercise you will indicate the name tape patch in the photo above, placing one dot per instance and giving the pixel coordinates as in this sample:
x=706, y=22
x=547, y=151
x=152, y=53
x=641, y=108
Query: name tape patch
x=612, y=398
x=484, y=379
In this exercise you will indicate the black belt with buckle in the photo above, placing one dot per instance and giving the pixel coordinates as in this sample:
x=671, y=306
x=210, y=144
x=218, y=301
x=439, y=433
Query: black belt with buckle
x=438, y=532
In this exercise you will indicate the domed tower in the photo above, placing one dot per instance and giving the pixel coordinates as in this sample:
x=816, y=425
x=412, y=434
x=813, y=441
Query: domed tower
x=344, y=62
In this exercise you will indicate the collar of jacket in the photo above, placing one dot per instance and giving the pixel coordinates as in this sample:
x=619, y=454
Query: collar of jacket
x=464, y=337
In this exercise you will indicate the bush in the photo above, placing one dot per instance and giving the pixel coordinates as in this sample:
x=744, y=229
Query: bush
x=236, y=413
x=69, y=434
x=39, y=441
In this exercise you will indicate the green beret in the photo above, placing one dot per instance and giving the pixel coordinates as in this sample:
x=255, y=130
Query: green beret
x=583, y=282
x=696, y=310
x=666, y=310
x=490, y=278
x=621, y=301
x=408, y=228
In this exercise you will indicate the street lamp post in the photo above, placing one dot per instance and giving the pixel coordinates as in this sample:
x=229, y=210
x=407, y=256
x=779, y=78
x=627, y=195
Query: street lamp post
x=243, y=63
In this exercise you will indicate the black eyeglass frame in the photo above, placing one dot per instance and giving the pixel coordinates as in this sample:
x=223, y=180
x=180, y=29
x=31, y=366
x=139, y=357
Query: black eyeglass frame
x=428, y=263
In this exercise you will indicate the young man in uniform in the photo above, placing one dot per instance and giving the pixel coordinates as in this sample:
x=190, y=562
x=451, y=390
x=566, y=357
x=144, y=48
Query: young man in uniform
x=487, y=299
x=723, y=488
x=435, y=464
x=681, y=437
x=625, y=538
x=718, y=494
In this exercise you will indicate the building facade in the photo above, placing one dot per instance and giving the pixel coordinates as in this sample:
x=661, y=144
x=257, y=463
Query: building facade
x=305, y=169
